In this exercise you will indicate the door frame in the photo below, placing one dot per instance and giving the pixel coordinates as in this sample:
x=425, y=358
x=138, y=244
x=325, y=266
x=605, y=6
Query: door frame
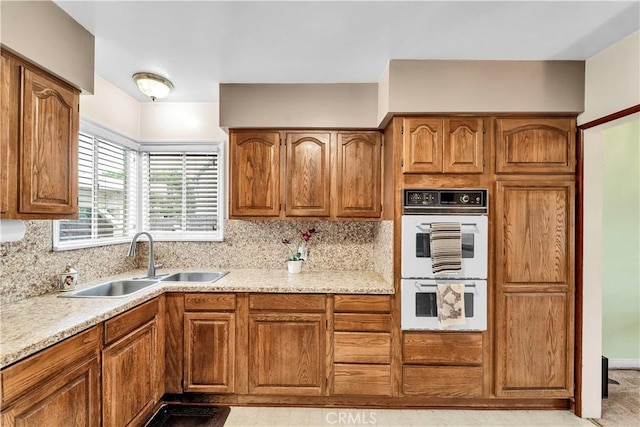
x=580, y=244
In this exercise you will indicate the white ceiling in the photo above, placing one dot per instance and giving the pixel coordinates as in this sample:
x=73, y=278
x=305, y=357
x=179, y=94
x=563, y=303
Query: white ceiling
x=199, y=44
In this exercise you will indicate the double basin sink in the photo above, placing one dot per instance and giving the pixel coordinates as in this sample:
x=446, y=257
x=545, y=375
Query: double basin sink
x=122, y=288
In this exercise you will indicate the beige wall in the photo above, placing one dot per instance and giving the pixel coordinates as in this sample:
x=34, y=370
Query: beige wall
x=180, y=122
x=406, y=87
x=112, y=109
x=611, y=85
x=612, y=79
x=444, y=86
x=44, y=34
x=344, y=105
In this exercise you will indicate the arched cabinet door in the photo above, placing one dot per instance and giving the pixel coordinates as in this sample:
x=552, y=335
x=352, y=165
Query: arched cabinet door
x=48, y=146
x=422, y=143
x=536, y=145
x=38, y=143
x=358, y=173
x=255, y=174
x=308, y=174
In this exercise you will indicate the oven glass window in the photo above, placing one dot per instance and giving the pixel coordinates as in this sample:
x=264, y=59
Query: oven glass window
x=426, y=304
x=423, y=245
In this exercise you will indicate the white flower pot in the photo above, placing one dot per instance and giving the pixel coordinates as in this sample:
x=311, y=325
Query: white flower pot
x=294, y=266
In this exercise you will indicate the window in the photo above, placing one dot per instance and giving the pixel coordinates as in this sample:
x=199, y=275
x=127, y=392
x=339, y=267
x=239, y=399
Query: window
x=181, y=195
x=107, y=194
x=173, y=194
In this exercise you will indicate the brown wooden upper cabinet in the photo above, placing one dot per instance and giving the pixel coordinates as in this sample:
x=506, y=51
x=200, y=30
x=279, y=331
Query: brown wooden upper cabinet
x=311, y=174
x=255, y=174
x=443, y=145
x=358, y=175
x=39, y=143
x=536, y=145
x=307, y=177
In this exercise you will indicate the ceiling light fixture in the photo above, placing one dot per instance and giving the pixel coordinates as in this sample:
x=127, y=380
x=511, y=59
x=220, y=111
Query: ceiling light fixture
x=153, y=85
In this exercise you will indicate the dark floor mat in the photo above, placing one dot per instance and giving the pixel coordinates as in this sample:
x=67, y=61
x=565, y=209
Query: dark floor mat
x=189, y=416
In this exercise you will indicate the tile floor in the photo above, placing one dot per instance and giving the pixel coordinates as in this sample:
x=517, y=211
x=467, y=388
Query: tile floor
x=307, y=417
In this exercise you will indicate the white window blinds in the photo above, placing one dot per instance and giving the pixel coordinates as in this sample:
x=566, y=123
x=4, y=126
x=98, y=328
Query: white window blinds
x=107, y=194
x=181, y=194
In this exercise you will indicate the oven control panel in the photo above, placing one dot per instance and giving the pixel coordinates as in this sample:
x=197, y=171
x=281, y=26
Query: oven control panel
x=443, y=200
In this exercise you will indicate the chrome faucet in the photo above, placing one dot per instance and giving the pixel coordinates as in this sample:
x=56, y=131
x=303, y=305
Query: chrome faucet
x=151, y=267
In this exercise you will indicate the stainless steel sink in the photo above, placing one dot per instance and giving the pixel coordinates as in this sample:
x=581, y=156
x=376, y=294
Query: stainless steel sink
x=195, y=276
x=118, y=288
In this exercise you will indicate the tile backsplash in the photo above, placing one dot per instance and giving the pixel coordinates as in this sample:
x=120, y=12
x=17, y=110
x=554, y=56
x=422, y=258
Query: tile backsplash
x=29, y=267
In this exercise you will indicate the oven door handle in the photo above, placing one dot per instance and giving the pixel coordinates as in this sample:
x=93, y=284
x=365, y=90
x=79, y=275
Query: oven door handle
x=427, y=225
x=431, y=285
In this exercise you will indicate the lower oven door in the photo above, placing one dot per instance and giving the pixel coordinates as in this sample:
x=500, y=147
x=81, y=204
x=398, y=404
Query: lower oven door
x=419, y=310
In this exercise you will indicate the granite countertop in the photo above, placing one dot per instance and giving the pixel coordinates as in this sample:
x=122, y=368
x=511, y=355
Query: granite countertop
x=30, y=325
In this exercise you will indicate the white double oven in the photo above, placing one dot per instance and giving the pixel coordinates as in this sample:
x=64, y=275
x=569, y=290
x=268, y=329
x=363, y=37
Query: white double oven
x=421, y=208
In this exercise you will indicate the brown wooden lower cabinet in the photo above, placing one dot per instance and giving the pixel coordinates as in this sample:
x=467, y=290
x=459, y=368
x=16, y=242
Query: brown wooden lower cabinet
x=132, y=366
x=71, y=398
x=362, y=345
x=286, y=353
x=442, y=364
x=58, y=386
x=209, y=359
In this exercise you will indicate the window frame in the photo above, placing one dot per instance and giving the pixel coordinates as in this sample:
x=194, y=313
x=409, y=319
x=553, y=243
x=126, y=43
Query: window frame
x=100, y=132
x=194, y=148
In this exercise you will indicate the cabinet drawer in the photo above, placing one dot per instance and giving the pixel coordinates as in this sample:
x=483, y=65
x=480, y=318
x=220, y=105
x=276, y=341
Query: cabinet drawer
x=363, y=303
x=442, y=381
x=362, y=379
x=208, y=302
x=287, y=302
x=362, y=347
x=125, y=323
x=357, y=322
x=442, y=348
x=51, y=361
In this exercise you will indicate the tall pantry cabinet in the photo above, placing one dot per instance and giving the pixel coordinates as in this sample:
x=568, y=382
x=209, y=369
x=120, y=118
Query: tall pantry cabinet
x=535, y=211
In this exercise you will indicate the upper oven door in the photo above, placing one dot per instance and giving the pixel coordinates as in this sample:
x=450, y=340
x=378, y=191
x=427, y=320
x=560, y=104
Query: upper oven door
x=416, y=245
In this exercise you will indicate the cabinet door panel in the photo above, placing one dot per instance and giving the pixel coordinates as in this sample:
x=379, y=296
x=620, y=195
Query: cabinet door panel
x=358, y=170
x=72, y=398
x=209, y=352
x=422, y=145
x=308, y=176
x=535, y=288
x=535, y=348
x=286, y=353
x=129, y=372
x=255, y=179
x=535, y=242
x=49, y=147
x=464, y=146
x=536, y=145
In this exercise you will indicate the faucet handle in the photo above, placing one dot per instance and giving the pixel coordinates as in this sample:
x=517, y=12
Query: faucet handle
x=159, y=265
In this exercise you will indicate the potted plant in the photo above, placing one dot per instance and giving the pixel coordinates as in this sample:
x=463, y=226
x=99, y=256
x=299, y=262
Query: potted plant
x=299, y=253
